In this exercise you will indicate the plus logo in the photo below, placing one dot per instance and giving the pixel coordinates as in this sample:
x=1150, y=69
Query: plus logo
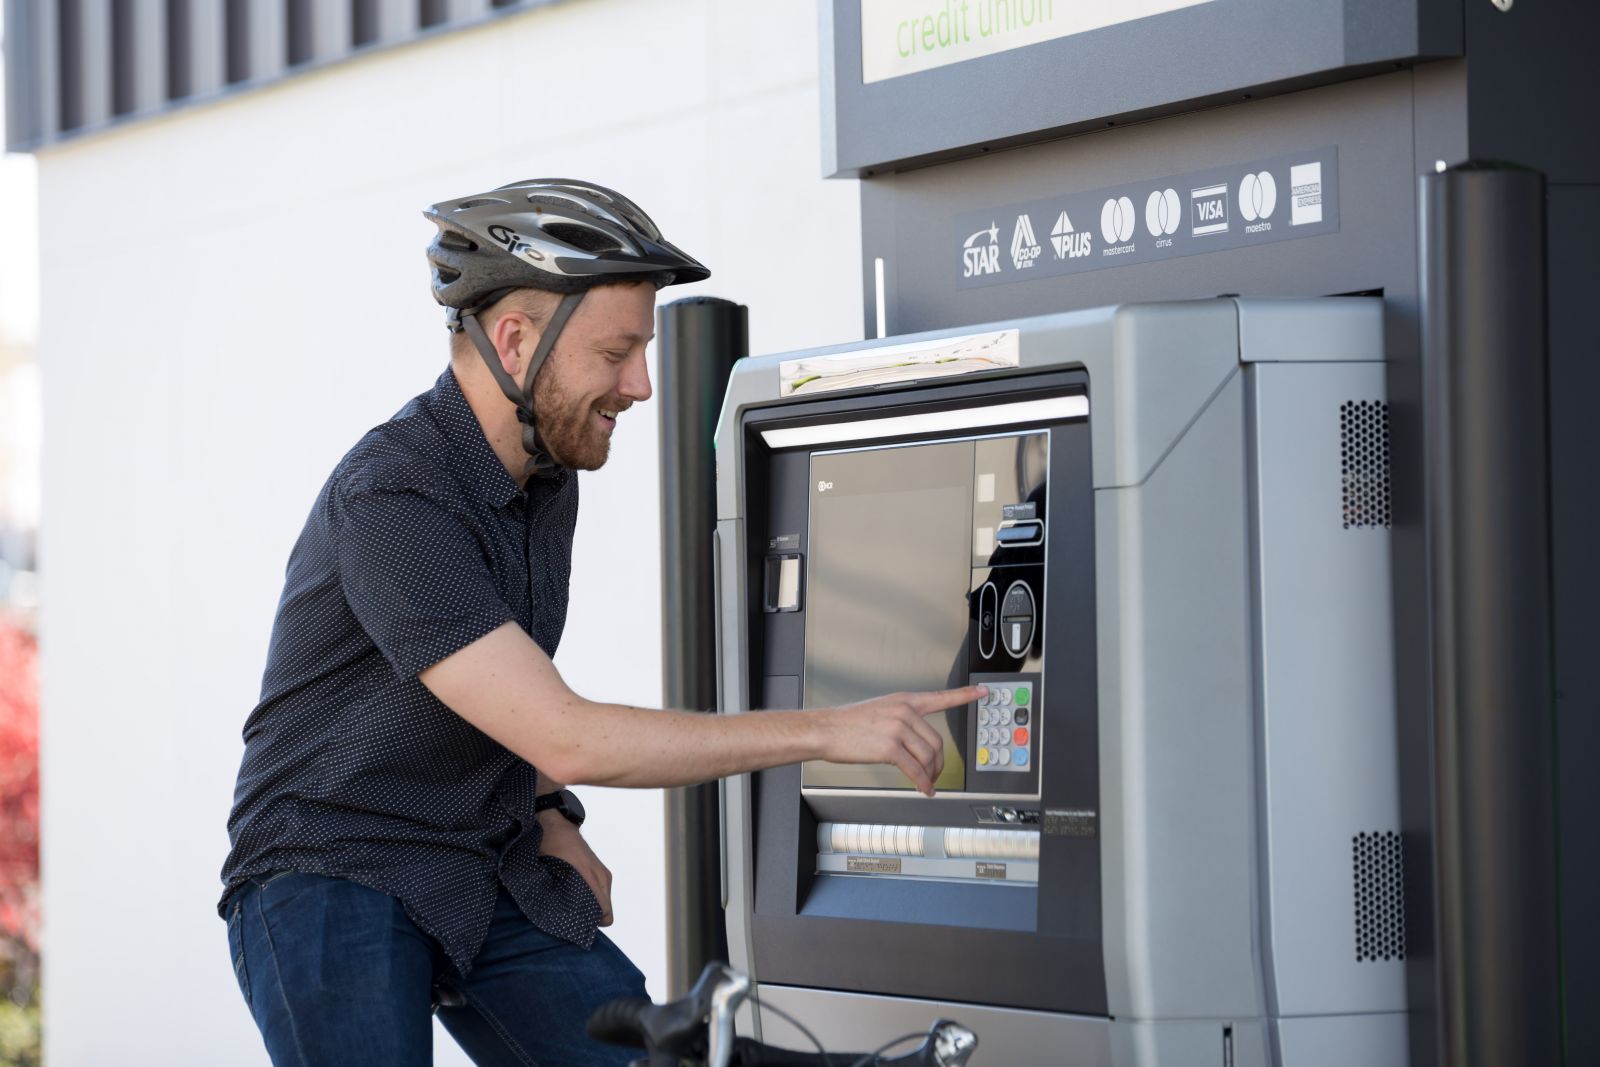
x=1069, y=243
x=981, y=257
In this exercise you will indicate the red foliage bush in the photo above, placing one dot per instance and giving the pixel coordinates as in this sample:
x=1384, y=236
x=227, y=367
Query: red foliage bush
x=19, y=785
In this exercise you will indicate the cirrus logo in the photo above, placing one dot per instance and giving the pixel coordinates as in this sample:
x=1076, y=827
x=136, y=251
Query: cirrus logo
x=823, y=487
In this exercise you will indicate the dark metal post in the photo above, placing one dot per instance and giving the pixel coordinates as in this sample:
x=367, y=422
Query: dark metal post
x=1485, y=412
x=699, y=339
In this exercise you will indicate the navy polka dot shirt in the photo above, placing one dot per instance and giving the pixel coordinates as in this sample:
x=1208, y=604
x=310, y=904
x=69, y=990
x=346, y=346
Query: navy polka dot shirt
x=419, y=544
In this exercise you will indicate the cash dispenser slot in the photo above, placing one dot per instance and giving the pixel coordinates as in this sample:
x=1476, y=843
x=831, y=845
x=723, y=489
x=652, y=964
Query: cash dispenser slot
x=942, y=852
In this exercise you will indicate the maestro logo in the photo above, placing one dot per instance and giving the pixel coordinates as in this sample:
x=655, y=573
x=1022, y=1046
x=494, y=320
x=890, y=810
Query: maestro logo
x=979, y=258
x=1258, y=196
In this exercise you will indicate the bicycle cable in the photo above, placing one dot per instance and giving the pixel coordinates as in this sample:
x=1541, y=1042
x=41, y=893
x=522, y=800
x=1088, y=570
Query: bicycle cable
x=872, y=1057
x=827, y=1058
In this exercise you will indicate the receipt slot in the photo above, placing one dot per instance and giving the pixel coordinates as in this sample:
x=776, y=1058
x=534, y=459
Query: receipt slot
x=1159, y=536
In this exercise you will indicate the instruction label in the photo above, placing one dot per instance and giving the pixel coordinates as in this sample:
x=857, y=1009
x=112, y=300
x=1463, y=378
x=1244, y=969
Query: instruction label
x=1228, y=207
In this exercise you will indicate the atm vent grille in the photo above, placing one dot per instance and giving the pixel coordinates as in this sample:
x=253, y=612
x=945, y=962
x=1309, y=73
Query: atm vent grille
x=1379, y=897
x=1364, y=463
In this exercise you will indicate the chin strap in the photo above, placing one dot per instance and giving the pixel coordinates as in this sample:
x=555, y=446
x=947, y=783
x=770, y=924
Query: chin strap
x=541, y=462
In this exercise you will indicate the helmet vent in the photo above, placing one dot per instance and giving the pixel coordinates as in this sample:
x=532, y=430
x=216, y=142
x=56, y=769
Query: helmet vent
x=481, y=201
x=582, y=237
x=457, y=242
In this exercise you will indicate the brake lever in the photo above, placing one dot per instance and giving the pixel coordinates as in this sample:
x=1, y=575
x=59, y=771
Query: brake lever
x=952, y=1043
x=730, y=991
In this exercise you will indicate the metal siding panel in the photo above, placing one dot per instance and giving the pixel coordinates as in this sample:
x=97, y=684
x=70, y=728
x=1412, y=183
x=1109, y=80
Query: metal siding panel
x=208, y=53
x=94, y=66
x=24, y=90
x=268, y=46
x=330, y=31
x=398, y=20
x=149, y=55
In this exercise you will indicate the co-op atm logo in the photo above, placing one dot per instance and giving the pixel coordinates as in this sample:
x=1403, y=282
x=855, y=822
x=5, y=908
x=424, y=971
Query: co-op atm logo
x=981, y=257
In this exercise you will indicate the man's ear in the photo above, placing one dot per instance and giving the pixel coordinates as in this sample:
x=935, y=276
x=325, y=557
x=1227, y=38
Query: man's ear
x=515, y=337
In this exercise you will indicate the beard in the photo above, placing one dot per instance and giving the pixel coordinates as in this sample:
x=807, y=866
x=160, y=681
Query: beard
x=567, y=426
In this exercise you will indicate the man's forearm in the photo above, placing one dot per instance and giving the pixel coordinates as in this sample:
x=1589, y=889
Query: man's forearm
x=506, y=686
x=619, y=745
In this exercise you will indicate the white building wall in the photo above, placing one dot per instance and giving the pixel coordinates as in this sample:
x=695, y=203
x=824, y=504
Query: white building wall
x=231, y=296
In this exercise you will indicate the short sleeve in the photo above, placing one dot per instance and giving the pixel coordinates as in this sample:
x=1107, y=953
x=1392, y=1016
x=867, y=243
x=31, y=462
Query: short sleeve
x=414, y=574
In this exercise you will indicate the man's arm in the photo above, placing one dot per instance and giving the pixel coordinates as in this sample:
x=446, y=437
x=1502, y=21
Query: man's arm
x=506, y=686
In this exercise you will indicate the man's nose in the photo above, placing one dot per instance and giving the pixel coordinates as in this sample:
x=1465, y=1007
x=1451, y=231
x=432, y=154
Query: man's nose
x=635, y=384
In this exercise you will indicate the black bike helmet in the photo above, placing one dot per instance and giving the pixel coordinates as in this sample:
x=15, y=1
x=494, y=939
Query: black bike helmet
x=547, y=233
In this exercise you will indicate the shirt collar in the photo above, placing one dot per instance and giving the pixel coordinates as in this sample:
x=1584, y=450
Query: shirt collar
x=470, y=453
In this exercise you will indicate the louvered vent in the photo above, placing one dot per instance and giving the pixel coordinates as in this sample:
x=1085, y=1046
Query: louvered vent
x=1364, y=462
x=1379, y=897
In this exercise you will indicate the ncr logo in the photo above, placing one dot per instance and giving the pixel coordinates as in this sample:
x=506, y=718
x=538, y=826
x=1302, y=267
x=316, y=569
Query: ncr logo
x=981, y=257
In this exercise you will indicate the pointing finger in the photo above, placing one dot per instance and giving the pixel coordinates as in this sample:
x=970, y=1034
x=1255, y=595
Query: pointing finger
x=928, y=703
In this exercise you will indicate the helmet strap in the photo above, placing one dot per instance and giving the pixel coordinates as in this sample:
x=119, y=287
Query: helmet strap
x=541, y=463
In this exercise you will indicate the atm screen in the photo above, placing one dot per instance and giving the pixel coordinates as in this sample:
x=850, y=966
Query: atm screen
x=890, y=536
x=901, y=538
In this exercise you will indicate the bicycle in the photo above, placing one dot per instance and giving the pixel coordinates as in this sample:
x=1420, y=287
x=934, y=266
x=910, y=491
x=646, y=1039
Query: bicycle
x=696, y=1030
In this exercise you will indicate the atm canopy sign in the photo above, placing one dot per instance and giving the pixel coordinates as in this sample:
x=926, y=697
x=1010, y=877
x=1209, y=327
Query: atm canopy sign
x=900, y=37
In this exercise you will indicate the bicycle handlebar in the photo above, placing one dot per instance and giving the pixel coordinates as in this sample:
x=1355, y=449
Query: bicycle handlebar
x=697, y=1028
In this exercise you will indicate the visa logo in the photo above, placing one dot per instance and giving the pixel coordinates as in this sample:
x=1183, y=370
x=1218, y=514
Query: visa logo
x=1208, y=209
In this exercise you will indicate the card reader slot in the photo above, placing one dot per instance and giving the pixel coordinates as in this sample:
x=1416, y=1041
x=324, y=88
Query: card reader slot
x=1019, y=534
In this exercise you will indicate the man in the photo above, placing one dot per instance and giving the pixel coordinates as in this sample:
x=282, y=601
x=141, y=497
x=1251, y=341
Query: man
x=402, y=835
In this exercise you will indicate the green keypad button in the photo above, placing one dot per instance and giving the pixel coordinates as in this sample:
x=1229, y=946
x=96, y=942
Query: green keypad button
x=1023, y=695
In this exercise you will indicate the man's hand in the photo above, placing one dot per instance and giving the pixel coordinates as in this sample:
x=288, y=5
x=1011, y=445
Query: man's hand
x=563, y=841
x=893, y=729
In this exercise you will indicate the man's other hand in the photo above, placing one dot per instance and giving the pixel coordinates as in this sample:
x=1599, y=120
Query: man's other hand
x=893, y=729
x=563, y=841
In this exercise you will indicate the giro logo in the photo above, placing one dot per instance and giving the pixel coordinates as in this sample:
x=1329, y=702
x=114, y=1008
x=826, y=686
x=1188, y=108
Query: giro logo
x=1069, y=243
x=1162, y=213
x=1258, y=196
x=981, y=258
x=1024, y=246
x=823, y=487
x=1117, y=220
x=513, y=242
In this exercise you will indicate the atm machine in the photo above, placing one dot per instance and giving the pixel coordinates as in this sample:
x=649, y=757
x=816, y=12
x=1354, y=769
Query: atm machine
x=1282, y=599
x=1160, y=536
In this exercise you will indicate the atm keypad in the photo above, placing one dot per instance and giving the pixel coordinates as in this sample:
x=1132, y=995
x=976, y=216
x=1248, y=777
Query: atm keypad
x=1004, y=734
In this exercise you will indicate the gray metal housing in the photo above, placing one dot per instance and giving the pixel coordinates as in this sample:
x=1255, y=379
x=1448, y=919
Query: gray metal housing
x=1247, y=721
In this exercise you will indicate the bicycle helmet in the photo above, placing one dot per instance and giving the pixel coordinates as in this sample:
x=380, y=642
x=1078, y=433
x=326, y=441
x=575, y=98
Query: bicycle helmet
x=553, y=234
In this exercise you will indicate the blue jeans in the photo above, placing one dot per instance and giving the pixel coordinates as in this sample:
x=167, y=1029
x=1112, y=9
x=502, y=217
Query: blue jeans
x=336, y=974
